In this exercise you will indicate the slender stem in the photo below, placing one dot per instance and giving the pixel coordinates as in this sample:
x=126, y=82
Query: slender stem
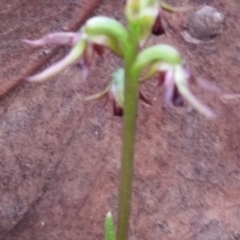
x=129, y=129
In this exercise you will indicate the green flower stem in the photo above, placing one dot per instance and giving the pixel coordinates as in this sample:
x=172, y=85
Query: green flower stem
x=129, y=129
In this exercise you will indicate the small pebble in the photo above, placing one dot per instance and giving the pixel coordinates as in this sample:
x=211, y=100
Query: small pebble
x=204, y=24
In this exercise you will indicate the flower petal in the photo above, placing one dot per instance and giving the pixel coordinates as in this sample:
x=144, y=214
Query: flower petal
x=205, y=110
x=147, y=20
x=161, y=53
x=182, y=85
x=56, y=68
x=208, y=86
x=170, y=8
x=177, y=99
x=230, y=96
x=117, y=87
x=157, y=67
x=99, y=95
x=58, y=38
x=169, y=88
x=102, y=25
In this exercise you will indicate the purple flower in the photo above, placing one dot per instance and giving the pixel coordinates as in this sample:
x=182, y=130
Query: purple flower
x=176, y=80
x=115, y=92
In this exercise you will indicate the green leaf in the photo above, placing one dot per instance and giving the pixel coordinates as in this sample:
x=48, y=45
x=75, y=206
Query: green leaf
x=109, y=227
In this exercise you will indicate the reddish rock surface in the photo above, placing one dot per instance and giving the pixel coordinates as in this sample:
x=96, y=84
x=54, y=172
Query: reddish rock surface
x=59, y=158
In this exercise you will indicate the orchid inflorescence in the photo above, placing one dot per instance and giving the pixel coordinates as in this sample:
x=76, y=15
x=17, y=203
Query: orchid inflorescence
x=162, y=60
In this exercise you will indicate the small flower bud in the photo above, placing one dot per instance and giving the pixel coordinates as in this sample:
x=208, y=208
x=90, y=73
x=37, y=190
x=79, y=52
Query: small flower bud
x=132, y=9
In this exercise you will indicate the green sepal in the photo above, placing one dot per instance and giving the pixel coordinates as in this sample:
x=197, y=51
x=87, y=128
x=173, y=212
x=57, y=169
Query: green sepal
x=163, y=53
x=107, y=42
x=110, y=27
x=75, y=53
x=182, y=86
x=117, y=87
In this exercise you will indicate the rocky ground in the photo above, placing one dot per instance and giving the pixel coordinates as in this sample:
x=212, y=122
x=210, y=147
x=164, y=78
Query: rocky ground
x=59, y=158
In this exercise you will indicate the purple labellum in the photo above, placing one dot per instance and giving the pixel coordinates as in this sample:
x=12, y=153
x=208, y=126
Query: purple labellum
x=177, y=99
x=98, y=49
x=88, y=57
x=84, y=69
x=161, y=78
x=169, y=88
x=158, y=28
x=117, y=110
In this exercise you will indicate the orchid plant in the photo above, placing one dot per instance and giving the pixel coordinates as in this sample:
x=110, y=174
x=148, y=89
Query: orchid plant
x=144, y=17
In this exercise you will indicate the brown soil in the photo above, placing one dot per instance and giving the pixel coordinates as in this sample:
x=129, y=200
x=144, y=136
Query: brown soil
x=59, y=158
